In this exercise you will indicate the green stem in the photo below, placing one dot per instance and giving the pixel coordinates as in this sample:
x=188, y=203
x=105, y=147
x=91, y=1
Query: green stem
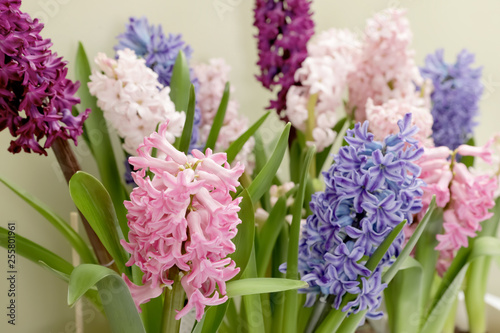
x=319, y=308
x=311, y=124
x=474, y=294
x=277, y=299
x=174, y=300
x=449, y=326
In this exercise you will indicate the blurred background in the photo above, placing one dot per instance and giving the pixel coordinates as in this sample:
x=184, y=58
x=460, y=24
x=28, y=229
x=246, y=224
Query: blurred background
x=213, y=28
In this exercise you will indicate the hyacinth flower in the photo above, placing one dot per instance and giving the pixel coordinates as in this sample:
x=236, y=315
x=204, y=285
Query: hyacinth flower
x=133, y=100
x=160, y=52
x=212, y=78
x=284, y=28
x=322, y=77
x=181, y=221
x=455, y=99
x=465, y=197
x=386, y=69
x=383, y=119
x=36, y=97
x=370, y=189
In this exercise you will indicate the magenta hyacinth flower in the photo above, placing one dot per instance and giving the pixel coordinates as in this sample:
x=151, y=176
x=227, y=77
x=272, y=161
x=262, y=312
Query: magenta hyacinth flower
x=285, y=27
x=183, y=217
x=36, y=98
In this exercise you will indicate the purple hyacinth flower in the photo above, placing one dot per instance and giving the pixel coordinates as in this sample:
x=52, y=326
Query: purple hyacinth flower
x=370, y=189
x=455, y=98
x=149, y=42
x=36, y=98
x=284, y=28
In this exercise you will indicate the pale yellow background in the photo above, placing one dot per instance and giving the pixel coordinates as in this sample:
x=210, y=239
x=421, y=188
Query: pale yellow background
x=214, y=28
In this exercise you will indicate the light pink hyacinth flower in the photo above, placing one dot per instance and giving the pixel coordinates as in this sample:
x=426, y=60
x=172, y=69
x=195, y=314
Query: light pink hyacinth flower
x=384, y=118
x=387, y=68
x=465, y=197
x=212, y=78
x=185, y=217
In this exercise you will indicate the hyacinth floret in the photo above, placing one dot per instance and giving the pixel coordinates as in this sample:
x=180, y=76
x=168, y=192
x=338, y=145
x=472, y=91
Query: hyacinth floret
x=284, y=28
x=36, y=98
x=182, y=219
x=455, y=99
x=371, y=188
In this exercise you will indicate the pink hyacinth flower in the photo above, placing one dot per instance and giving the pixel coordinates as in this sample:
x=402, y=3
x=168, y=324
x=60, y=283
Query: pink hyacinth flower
x=183, y=216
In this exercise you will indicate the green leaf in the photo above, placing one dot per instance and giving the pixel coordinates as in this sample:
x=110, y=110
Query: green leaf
x=180, y=83
x=395, y=267
x=264, y=179
x=322, y=156
x=211, y=319
x=64, y=228
x=295, y=155
x=92, y=199
x=290, y=310
x=252, y=305
x=477, y=277
x=426, y=254
x=218, y=119
x=403, y=298
x=260, y=155
x=468, y=160
x=379, y=253
x=244, y=239
x=36, y=253
x=118, y=304
x=152, y=312
x=453, y=278
x=474, y=291
x=269, y=234
x=99, y=141
x=235, y=147
x=188, y=125
x=253, y=286
x=279, y=256
x=46, y=259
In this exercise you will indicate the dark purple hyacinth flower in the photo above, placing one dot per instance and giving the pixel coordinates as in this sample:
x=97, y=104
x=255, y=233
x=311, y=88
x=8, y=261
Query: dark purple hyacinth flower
x=36, y=98
x=455, y=99
x=370, y=189
x=285, y=27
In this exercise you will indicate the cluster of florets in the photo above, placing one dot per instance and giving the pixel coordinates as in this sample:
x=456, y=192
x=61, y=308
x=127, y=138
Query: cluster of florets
x=387, y=68
x=285, y=27
x=371, y=188
x=212, y=78
x=36, y=98
x=160, y=52
x=455, y=99
x=133, y=100
x=465, y=197
x=182, y=218
x=331, y=57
